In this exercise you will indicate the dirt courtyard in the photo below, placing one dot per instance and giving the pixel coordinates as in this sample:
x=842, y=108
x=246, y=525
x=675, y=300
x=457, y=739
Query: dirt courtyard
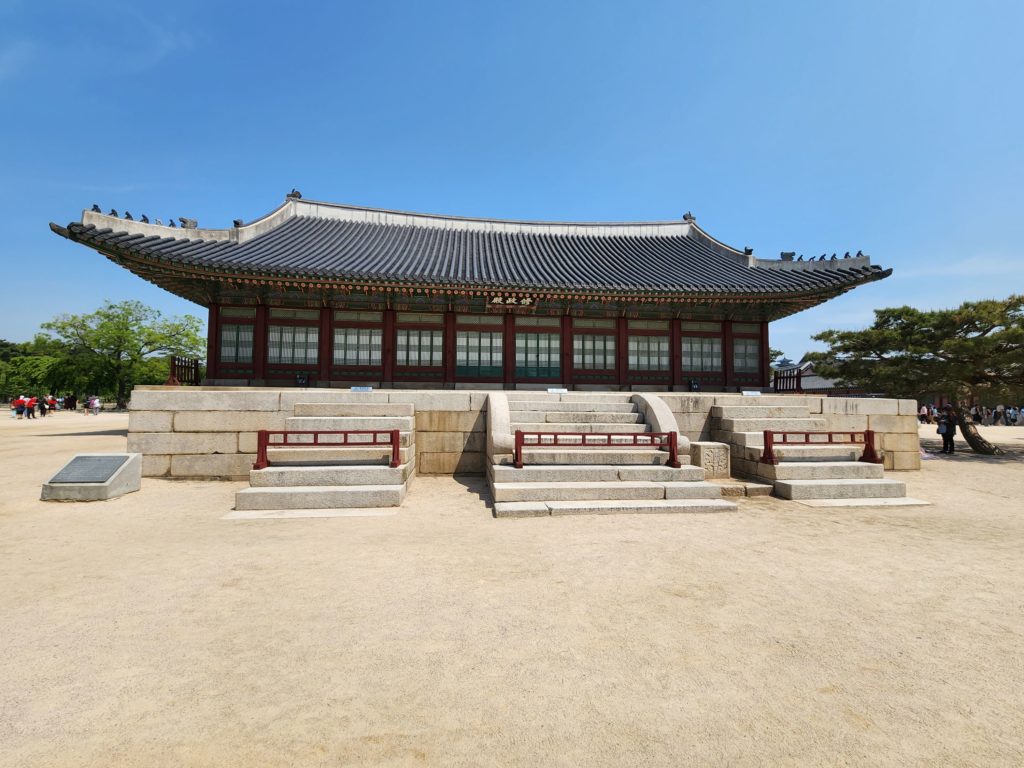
x=148, y=631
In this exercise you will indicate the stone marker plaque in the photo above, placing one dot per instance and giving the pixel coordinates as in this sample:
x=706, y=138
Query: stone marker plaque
x=89, y=469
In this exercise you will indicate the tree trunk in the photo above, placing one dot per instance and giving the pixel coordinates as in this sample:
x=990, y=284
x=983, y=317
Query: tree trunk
x=970, y=432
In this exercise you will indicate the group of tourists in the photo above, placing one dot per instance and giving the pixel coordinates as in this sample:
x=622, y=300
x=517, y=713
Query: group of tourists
x=999, y=416
x=25, y=407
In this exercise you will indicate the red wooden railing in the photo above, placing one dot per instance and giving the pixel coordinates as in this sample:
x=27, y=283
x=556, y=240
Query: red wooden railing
x=788, y=381
x=867, y=437
x=657, y=440
x=183, y=370
x=340, y=438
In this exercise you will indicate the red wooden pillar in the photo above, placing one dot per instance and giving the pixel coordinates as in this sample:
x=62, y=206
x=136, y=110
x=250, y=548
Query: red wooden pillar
x=675, y=352
x=448, y=350
x=325, y=350
x=727, y=355
x=508, y=351
x=387, y=351
x=622, y=350
x=259, y=343
x=567, y=352
x=213, y=342
x=766, y=372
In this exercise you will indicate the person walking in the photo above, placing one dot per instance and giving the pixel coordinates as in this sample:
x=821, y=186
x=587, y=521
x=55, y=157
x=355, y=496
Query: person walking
x=947, y=428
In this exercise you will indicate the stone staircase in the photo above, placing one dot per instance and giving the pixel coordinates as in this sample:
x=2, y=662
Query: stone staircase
x=563, y=480
x=343, y=477
x=804, y=472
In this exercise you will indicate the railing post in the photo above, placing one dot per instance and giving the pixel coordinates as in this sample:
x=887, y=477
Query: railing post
x=870, y=455
x=395, y=451
x=261, y=450
x=517, y=455
x=768, y=454
x=673, y=450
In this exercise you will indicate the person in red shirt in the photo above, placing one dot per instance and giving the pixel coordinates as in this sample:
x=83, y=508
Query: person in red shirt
x=30, y=408
x=18, y=406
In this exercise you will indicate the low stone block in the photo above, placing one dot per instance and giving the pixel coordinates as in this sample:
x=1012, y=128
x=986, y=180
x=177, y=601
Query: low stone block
x=125, y=478
x=219, y=421
x=442, y=442
x=450, y=421
x=234, y=466
x=901, y=441
x=450, y=463
x=757, y=489
x=860, y=406
x=688, y=403
x=290, y=398
x=433, y=401
x=905, y=460
x=890, y=423
x=713, y=458
x=908, y=407
x=842, y=422
x=193, y=399
x=182, y=442
x=475, y=442
x=156, y=465
x=150, y=421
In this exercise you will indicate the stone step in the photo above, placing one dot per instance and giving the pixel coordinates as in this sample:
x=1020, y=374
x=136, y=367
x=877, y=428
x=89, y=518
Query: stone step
x=756, y=440
x=778, y=425
x=320, y=497
x=593, y=473
x=577, y=417
x=336, y=456
x=759, y=412
x=577, y=428
x=807, y=401
x=840, y=489
x=531, y=394
x=821, y=470
x=577, y=491
x=533, y=456
x=801, y=453
x=604, y=397
x=284, y=476
x=334, y=423
x=656, y=506
x=354, y=409
x=551, y=406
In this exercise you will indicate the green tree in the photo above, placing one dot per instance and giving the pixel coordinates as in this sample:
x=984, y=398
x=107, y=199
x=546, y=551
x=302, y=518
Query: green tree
x=968, y=353
x=114, y=346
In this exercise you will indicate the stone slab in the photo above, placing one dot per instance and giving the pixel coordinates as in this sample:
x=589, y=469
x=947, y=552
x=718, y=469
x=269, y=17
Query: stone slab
x=692, y=490
x=713, y=458
x=354, y=409
x=577, y=491
x=433, y=401
x=178, y=443
x=234, y=466
x=906, y=501
x=860, y=406
x=450, y=421
x=839, y=489
x=219, y=421
x=150, y=421
x=95, y=477
x=194, y=399
x=319, y=497
x=302, y=514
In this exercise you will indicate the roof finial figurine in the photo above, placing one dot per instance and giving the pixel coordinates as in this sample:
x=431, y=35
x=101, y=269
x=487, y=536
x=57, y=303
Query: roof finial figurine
x=159, y=223
x=113, y=212
x=687, y=216
x=188, y=223
x=846, y=255
x=294, y=194
x=95, y=208
x=859, y=254
x=144, y=219
x=833, y=257
x=822, y=257
x=171, y=223
x=801, y=258
x=128, y=216
x=237, y=222
x=747, y=250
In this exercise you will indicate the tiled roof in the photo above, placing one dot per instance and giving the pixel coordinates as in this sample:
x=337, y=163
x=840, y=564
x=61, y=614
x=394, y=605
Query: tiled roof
x=302, y=239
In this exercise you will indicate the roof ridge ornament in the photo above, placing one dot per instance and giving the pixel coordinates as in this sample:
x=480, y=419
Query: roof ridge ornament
x=294, y=195
x=688, y=217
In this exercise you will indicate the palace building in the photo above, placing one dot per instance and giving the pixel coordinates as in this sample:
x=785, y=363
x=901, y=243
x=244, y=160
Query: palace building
x=322, y=294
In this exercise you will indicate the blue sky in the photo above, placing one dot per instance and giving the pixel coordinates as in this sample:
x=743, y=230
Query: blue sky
x=891, y=127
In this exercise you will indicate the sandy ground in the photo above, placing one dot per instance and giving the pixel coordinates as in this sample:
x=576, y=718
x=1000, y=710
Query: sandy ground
x=147, y=631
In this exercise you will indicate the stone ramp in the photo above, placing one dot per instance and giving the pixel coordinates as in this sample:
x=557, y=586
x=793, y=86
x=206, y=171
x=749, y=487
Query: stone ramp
x=336, y=478
x=575, y=480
